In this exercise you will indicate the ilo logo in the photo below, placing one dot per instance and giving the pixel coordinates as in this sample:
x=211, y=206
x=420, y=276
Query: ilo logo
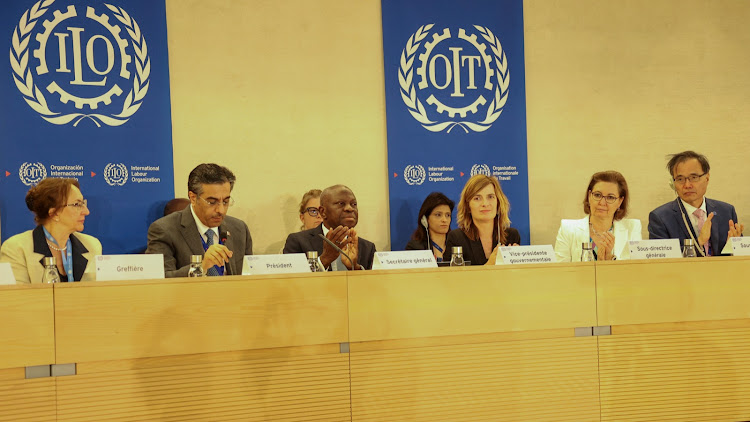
x=32, y=173
x=414, y=174
x=77, y=62
x=115, y=174
x=480, y=169
x=452, y=77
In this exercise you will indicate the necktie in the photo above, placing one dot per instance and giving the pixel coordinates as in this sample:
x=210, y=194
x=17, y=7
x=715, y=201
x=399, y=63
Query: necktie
x=210, y=241
x=700, y=215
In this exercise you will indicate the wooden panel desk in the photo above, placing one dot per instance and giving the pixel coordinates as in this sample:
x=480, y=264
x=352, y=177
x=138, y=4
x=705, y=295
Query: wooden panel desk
x=26, y=339
x=680, y=343
x=261, y=348
x=481, y=343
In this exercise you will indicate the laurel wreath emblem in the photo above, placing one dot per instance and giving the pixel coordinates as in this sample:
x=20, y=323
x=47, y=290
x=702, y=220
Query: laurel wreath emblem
x=413, y=103
x=34, y=97
x=27, y=181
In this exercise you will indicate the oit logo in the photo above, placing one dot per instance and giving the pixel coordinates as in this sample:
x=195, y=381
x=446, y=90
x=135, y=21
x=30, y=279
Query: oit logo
x=74, y=63
x=32, y=173
x=465, y=83
x=115, y=174
x=480, y=169
x=414, y=174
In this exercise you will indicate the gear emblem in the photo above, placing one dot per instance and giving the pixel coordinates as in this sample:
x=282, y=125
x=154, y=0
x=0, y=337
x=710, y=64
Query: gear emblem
x=72, y=65
x=463, y=78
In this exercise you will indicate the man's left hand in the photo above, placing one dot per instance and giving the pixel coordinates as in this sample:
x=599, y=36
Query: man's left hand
x=351, y=249
x=735, y=229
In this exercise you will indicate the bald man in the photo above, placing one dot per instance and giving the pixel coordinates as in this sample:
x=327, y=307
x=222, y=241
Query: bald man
x=338, y=207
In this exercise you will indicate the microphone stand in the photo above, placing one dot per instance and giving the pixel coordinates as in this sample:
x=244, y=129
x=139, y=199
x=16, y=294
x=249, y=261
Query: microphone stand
x=327, y=240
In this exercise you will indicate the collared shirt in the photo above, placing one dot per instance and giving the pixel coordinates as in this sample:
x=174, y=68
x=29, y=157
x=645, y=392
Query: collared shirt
x=202, y=228
x=693, y=219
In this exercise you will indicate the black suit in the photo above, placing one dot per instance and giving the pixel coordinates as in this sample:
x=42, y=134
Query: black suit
x=472, y=249
x=309, y=240
x=176, y=237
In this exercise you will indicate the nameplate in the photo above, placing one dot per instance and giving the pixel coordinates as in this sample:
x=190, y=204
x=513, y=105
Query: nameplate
x=275, y=264
x=399, y=260
x=655, y=249
x=6, y=274
x=530, y=254
x=740, y=246
x=129, y=267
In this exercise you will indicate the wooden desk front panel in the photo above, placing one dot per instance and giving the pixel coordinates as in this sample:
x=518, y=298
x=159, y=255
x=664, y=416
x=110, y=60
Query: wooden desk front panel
x=125, y=320
x=696, y=375
x=27, y=326
x=385, y=305
x=288, y=384
x=697, y=289
x=512, y=380
x=31, y=400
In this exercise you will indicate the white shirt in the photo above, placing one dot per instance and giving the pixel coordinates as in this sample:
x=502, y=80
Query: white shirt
x=202, y=228
x=691, y=209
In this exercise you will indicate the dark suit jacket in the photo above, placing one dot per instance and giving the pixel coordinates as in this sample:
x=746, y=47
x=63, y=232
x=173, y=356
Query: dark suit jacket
x=416, y=245
x=473, y=250
x=666, y=222
x=176, y=237
x=308, y=240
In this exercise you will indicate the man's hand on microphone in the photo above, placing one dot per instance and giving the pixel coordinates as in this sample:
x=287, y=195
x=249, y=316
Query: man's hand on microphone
x=351, y=249
x=339, y=237
x=216, y=255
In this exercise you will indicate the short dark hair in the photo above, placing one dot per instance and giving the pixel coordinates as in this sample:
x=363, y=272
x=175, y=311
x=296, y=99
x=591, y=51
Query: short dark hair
x=49, y=193
x=430, y=203
x=683, y=156
x=209, y=174
x=610, y=176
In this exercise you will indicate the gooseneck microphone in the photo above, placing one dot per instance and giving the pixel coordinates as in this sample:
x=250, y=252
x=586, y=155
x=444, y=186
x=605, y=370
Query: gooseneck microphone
x=427, y=230
x=223, y=235
x=354, y=267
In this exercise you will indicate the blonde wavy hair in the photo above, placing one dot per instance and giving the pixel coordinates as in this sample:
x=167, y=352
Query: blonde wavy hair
x=465, y=220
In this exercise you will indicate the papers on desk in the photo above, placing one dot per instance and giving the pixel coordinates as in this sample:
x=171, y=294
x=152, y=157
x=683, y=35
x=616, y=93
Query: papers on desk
x=655, y=249
x=129, y=267
x=530, y=254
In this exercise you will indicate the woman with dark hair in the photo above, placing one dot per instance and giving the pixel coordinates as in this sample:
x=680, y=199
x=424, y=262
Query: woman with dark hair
x=59, y=210
x=434, y=220
x=483, y=222
x=605, y=204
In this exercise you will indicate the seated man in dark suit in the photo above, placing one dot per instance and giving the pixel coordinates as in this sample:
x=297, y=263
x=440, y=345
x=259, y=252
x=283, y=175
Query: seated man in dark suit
x=338, y=207
x=693, y=216
x=203, y=228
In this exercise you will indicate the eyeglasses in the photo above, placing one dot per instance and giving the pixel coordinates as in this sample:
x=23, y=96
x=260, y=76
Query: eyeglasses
x=79, y=206
x=228, y=202
x=314, y=212
x=610, y=199
x=693, y=178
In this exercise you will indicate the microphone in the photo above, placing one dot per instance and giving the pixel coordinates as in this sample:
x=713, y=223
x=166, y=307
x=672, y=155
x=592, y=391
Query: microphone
x=338, y=249
x=426, y=229
x=223, y=235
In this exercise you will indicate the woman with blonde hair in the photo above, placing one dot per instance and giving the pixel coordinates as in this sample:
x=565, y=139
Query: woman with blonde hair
x=483, y=222
x=309, y=214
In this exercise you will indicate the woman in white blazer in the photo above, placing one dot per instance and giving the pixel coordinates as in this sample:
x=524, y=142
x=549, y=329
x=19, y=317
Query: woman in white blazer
x=605, y=203
x=60, y=212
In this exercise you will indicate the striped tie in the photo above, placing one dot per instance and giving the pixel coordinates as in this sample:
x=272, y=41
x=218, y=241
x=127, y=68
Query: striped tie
x=213, y=272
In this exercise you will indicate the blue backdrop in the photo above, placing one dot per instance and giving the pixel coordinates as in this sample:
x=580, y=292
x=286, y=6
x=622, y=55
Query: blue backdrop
x=455, y=104
x=85, y=94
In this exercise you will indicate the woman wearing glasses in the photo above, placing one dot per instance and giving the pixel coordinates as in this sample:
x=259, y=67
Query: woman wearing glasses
x=605, y=203
x=308, y=209
x=60, y=211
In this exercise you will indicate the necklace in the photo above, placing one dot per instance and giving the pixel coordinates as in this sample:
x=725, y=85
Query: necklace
x=52, y=245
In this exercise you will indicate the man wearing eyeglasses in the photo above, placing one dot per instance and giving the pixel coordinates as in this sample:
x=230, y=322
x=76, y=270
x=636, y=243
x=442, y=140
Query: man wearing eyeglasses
x=338, y=207
x=203, y=228
x=693, y=216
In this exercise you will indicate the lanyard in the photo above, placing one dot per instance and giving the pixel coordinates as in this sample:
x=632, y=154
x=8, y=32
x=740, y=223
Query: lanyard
x=67, y=254
x=689, y=227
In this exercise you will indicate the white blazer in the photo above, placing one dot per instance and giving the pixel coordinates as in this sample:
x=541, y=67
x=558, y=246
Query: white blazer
x=574, y=232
